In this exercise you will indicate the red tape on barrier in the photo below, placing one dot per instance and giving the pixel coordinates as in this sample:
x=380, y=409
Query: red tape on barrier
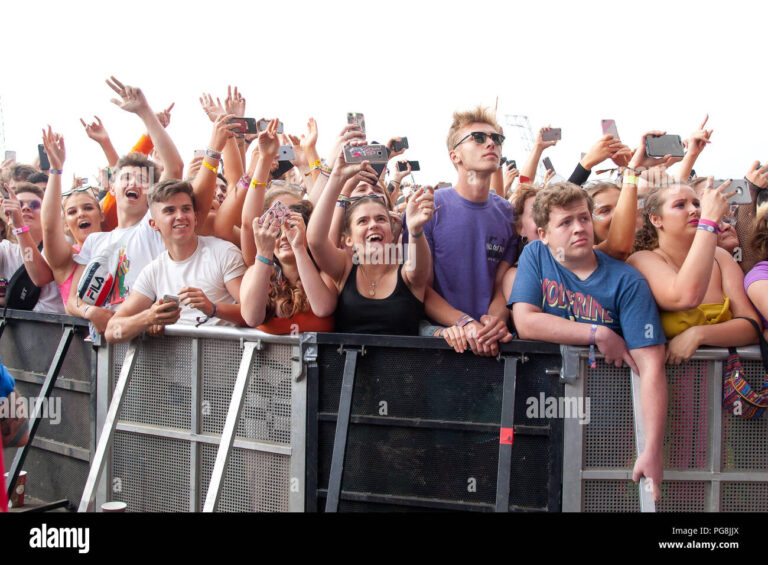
x=507, y=436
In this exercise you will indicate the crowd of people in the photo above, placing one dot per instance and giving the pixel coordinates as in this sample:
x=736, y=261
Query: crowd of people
x=645, y=266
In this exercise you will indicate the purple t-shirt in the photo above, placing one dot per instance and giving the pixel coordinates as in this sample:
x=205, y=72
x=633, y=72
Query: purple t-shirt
x=468, y=241
x=758, y=273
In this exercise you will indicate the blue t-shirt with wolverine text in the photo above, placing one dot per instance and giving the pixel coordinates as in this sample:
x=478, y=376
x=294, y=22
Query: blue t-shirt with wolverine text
x=614, y=295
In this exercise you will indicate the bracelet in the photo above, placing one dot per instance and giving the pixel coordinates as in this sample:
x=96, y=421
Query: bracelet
x=709, y=223
x=592, y=334
x=22, y=229
x=213, y=154
x=255, y=183
x=464, y=320
x=417, y=235
x=341, y=204
x=265, y=260
x=316, y=164
x=55, y=172
x=201, y=321
x=630, y=179
x=438, y=332
x=211, y=168
x=706, y=227
x=85, y=310
x=244, y=181
x=326, y=169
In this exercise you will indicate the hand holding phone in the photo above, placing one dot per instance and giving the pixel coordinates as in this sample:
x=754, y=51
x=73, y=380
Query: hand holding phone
x=357, y=119
x=658, y=146
x=244, y=125
x=609, y=128
x=278, y=210
x=552, y=134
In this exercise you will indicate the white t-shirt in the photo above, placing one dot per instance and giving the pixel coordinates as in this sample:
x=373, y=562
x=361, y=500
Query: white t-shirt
x=11, y=259
x=214, y=263
x=140, y=244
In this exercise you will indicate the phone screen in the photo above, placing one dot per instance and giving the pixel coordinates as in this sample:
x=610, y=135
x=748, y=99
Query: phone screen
x=609, y=128
x=357, y=119
x=552, y=135
x=45, y=164
x=660, y=146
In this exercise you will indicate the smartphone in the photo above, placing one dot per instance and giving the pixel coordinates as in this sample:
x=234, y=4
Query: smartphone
x=399, y=145
x=10, y=155
x=244, y=125
x=200, y=153
x=402, y=167
x=662, y=145
x=742, y=195
x=278, y=210
x=609, y=128
x=171, y=298
x=285, y=153
x=263, y=124
x=552, y=135
x=511, y=164
x=548, y=164
x=371, y=153
x=357, y=119
x=83, y=181
x=45, y=164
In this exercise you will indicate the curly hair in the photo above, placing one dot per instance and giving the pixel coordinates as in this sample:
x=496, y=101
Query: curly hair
x=285, y=300
x=647, y=237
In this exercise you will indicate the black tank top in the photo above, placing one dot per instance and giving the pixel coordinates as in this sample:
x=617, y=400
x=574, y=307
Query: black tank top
x=398, y=314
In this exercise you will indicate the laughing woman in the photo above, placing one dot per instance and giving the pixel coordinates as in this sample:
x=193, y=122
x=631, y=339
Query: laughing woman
x=81, y=216
x=376, y=294
x=698, y=286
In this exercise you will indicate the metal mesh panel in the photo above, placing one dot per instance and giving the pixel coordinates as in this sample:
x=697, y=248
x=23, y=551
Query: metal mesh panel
x=623, y=496
x=150, y=474
x=221, y=361
x=745, y=442
x=685, y=441
x=609, y=439
x=743, y=497
x=254, y=481
x=266, y=412
x=51, y=476
x=159, y=393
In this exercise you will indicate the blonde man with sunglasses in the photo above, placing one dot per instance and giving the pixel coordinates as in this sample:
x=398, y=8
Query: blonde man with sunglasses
x=471, y=237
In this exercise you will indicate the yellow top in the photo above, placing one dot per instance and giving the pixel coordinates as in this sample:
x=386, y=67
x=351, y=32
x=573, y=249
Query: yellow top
x=675, y=323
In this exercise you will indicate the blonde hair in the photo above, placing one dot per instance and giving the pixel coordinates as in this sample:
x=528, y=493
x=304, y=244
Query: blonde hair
x=480, y=114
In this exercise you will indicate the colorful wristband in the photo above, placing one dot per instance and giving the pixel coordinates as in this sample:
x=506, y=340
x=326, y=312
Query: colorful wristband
x=709, y=223
x=213, y=154
x=592, y=358
x=706, y=227
x=264, y=260
x=55, y=172
x=22, y=229
x=464, y=320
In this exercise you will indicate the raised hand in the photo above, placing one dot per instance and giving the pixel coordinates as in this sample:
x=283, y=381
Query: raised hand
x=298, y=151
x=510, y=174
x=165, y=115
x=309, y=140
x=96, y=130
x=132, y=98
x=265, y=232
x=349, y=133
x=698, y=139
x=269, y=141
x=222, y=131
x=714, y=201
x=54, y=147
x=295, y=230
x=234, y=103
x=212, y=109
x=758, y=175
x=420, y=208
x=11, y=208
x=390, y=145
x=540, y=140
x=549, y=176
x=605, y=147
x=641, y=160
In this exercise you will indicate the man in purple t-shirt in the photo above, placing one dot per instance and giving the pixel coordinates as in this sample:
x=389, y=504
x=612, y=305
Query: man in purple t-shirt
x=471, y=236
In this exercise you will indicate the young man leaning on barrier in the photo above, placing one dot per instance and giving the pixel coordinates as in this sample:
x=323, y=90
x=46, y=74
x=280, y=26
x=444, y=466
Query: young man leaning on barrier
x=134, y=244
x=202, y=272
x=471, y=237
x=566, y=292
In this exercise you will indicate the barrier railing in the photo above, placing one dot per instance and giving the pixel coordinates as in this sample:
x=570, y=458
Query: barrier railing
x=237, y=420
x=714, y=461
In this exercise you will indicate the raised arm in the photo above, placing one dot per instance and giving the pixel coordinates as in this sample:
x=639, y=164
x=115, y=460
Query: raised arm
x=57, y=250
x=133, y=100
x=330, y=258
x=695, y=145
x=97, y=132
x=35, y=263
x=420, y=209
x=269, y=147
x=532, y=164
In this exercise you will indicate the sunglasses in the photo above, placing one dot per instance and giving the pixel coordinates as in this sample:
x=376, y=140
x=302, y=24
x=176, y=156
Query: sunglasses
x=33, y=205
x=80, y=189
x=481, y=136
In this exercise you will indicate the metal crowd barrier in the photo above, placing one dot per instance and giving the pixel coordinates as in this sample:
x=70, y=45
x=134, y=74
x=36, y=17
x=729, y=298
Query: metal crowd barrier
x=713, y=461
x=236, y=420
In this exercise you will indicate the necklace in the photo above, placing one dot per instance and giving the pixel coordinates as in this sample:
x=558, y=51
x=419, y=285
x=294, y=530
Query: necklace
x=372, y=291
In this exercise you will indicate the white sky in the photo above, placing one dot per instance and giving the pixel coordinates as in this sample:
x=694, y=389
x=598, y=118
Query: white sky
x=408, y=66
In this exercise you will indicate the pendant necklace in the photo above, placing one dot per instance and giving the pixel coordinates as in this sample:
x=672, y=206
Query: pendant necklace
x=372, y=291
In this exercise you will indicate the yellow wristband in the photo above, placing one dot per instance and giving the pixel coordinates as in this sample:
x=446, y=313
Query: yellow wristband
x=315, y=164
x=629, y=179
x=255, y=183
x=211, y=168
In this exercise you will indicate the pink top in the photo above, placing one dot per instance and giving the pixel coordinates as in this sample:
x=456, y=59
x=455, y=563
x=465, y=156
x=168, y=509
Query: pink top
x=67, y=284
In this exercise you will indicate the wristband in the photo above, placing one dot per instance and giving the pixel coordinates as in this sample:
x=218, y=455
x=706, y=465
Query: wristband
x=213, y=154
x=341, y=204
x=244, y=181
x=326, y=169
x=316, y=164
x=417, y=235
x=265, y=260
x=592, y=334
x=708, y=223
x=201, y=321
x=211, y=168
x=255, y=183
x=630, y=179
x=22, y=229
x=55, y=172
x=706, y=227
x=85, y=310
x=464, y=320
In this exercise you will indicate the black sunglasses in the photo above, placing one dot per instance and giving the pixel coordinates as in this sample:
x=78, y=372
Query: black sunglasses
x=481, y=136
x=80, y=189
